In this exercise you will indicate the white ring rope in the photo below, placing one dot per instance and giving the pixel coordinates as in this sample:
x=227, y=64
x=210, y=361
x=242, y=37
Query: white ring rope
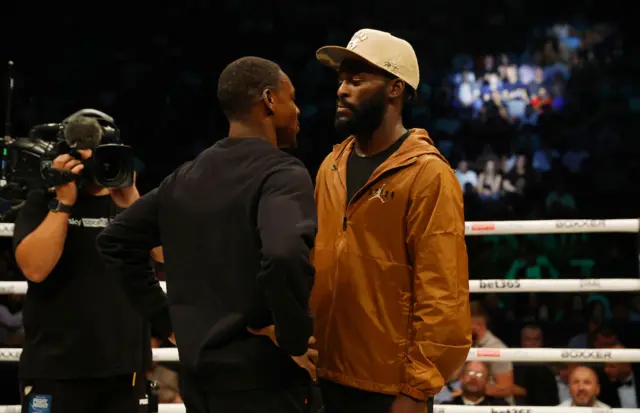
x=541, y=355
x=179, y=408
x=475, y=286
x=551, y=226
x=531, y=355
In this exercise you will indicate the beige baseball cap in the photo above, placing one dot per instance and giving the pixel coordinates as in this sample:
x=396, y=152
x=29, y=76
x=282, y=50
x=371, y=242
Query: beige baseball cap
x=378, y=48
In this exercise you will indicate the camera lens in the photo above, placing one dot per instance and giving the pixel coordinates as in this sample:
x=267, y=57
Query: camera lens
x=114, y=165
x=110, y=168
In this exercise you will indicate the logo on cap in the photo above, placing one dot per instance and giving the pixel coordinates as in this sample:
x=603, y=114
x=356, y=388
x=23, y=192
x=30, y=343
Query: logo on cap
x=390, y=66
x=357, y=38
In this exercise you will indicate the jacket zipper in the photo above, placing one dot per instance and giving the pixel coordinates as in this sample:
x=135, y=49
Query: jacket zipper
x=344, y=216
x=367, y=184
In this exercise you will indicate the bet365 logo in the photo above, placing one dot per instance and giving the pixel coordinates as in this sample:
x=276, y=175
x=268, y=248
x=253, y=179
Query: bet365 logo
x=499, y=284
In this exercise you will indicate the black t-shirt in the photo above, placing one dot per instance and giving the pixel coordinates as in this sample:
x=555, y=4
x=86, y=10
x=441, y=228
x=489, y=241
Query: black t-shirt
x=360, y=168
x=78, y=322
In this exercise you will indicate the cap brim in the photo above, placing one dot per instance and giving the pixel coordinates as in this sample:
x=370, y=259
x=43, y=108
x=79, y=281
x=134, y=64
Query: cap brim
x=333, y=56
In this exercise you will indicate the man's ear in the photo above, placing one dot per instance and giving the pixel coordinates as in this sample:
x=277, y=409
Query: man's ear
x=268, y=99
x=396, y=88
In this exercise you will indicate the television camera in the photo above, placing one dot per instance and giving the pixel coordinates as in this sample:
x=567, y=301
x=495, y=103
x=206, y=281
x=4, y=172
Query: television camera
x=27, y=162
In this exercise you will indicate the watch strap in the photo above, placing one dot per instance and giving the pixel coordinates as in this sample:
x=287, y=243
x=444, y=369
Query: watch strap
x=56, y=206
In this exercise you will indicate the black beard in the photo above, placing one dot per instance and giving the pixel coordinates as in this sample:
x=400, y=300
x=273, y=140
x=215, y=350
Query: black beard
x=364, y=119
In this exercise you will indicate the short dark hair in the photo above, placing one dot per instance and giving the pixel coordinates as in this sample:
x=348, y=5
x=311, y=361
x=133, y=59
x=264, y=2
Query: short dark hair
x=532, y=327
x=242, y=82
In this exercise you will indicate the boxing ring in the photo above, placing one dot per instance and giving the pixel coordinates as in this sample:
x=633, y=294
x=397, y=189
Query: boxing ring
x=539, y=355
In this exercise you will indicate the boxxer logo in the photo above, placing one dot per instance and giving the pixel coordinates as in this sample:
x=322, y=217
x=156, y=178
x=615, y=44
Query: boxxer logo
x=580, y=223
x=586, y=354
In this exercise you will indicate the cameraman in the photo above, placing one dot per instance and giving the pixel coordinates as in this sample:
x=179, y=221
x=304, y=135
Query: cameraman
x=86, y=347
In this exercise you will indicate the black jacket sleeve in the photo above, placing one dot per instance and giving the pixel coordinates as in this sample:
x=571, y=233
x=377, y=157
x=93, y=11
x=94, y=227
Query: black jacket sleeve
x=287, y=224
x=125, y=246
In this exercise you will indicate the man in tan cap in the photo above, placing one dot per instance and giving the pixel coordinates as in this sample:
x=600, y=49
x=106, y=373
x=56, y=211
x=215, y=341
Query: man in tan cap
x=391, y=296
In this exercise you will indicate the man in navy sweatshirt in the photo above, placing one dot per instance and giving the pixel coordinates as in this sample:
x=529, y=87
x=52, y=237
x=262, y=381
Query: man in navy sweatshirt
x=237, y=225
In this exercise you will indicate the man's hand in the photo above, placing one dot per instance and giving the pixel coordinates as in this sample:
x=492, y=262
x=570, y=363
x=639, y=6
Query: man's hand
x=405, y=404
x=172, y=339
x=124, y=197
x=68, y=193
x=306, y=361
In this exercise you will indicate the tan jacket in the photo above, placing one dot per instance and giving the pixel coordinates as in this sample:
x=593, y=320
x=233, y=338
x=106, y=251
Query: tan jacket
x=391, y=294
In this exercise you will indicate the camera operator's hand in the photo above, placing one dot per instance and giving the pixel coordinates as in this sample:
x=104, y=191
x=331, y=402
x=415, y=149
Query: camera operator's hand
x=68, y=193
x=124, y=197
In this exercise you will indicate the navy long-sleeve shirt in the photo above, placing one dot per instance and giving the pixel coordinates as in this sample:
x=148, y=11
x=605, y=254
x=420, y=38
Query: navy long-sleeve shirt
x=237, y=225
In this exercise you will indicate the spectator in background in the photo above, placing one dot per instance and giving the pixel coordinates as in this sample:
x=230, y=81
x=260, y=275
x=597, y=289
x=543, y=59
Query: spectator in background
x=451, y=389
x=515, y=182
x=474, y=382
x=537, y=84
x=491, y=84
x=507, y=162
x=503, y=66
x=584, y=388
x=527, y=75
x=574, y=157
x=531, y=336
x=561, y=372
x=514, y=94
x=494, y=107
x=622, y=389
x=536, y=381
x=598, y=335
x=468, y=178
x=489, y=182
x=468, y=92
x=543, y=158
x=541, y=100
x=604, y=337
x=500, y=384
x=488, y=66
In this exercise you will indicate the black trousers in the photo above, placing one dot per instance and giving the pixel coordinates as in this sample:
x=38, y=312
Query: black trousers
x=343, y=399
x=198, y=398
x=119, y=394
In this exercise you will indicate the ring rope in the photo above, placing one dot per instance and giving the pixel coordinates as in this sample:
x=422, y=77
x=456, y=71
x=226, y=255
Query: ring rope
x=475, y=286
x=550, y=226
x=179, y=408
x=472, y=228
x=532, y=355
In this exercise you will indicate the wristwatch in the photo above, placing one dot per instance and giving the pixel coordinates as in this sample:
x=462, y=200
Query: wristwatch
x=56, y=206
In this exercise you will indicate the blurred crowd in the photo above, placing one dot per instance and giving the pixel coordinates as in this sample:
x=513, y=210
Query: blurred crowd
x=575, y=383
x=539, y=123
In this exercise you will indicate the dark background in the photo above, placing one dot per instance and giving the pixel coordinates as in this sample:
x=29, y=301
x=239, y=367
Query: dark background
x=155, y=69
